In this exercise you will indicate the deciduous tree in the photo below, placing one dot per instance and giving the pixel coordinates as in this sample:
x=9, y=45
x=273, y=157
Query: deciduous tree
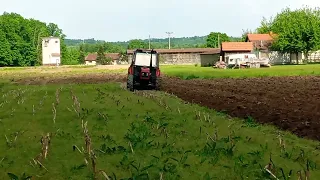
x=214, y=39
x=101, y=58
x=297, y=30
x=81, y=59
x=137, y=44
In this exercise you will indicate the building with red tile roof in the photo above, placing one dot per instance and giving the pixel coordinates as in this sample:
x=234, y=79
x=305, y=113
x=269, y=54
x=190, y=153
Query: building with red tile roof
x=92, y=58
x=228, y=48
x=237, y=46
x=261, y=42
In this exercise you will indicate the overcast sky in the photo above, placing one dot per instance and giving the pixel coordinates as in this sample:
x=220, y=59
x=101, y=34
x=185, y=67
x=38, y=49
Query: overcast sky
x=120, y=20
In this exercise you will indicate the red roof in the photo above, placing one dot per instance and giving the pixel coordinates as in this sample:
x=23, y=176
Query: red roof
x=261, y=37
x=237, y=46
x=175, y=51
x=93, y=56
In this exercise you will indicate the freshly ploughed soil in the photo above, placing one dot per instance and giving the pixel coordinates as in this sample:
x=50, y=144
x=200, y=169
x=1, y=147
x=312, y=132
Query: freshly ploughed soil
x=291, y=103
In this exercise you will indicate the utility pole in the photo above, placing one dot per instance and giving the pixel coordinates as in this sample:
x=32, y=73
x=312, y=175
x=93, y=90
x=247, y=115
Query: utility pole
x=218, y=40
x=149, y=43
x=169, y=35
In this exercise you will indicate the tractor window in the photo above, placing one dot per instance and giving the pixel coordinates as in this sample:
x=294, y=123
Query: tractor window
x=143, y=59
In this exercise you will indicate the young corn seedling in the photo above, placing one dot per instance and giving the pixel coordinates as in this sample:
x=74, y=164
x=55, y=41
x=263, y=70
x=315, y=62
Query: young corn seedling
x=16, y=177
x=307, y=171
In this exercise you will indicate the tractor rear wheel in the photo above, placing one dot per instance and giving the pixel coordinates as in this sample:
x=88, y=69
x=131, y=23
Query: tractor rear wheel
x=158, y=84
x=130, y=83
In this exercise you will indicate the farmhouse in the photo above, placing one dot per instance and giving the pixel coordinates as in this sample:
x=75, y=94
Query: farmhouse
x=262, y=44
x=51, y=51
x=228, y=48
x=91, y=59
x=185, y=56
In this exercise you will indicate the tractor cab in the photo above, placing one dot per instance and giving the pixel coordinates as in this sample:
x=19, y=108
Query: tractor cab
x=144, y=70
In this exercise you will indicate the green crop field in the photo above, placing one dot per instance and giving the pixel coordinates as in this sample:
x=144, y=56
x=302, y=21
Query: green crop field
x=191, y=72
x=142, y=135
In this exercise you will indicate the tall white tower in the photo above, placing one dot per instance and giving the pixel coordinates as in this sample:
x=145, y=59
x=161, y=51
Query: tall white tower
x=51, y=51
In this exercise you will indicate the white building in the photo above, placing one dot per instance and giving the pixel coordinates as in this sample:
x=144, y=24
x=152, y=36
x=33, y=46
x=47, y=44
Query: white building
x=51, y=51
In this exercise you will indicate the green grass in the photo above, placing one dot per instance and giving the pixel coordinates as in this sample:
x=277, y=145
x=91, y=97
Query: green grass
x=168, y=137
x=192, y=72
x=182, y=71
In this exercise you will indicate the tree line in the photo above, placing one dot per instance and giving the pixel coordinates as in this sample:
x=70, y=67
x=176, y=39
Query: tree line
x=92, y=45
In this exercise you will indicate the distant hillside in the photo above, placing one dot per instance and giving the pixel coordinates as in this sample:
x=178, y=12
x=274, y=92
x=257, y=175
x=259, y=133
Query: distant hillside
x=182, y=42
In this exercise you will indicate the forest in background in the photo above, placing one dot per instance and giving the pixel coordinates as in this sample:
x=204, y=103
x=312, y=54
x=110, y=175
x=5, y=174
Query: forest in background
x=92, y=45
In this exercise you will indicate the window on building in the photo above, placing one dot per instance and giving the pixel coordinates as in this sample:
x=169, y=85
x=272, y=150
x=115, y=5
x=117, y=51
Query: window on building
x=46, y=43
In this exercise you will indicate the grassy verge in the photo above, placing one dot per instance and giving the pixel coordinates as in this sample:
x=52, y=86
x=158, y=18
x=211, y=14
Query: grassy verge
x=191, y=72
x=142, y=136
x=182, y=71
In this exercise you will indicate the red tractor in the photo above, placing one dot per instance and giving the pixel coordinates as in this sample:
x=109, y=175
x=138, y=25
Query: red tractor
x=144, y=70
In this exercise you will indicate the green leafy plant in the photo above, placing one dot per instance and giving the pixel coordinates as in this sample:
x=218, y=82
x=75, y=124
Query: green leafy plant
x=16, y=177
